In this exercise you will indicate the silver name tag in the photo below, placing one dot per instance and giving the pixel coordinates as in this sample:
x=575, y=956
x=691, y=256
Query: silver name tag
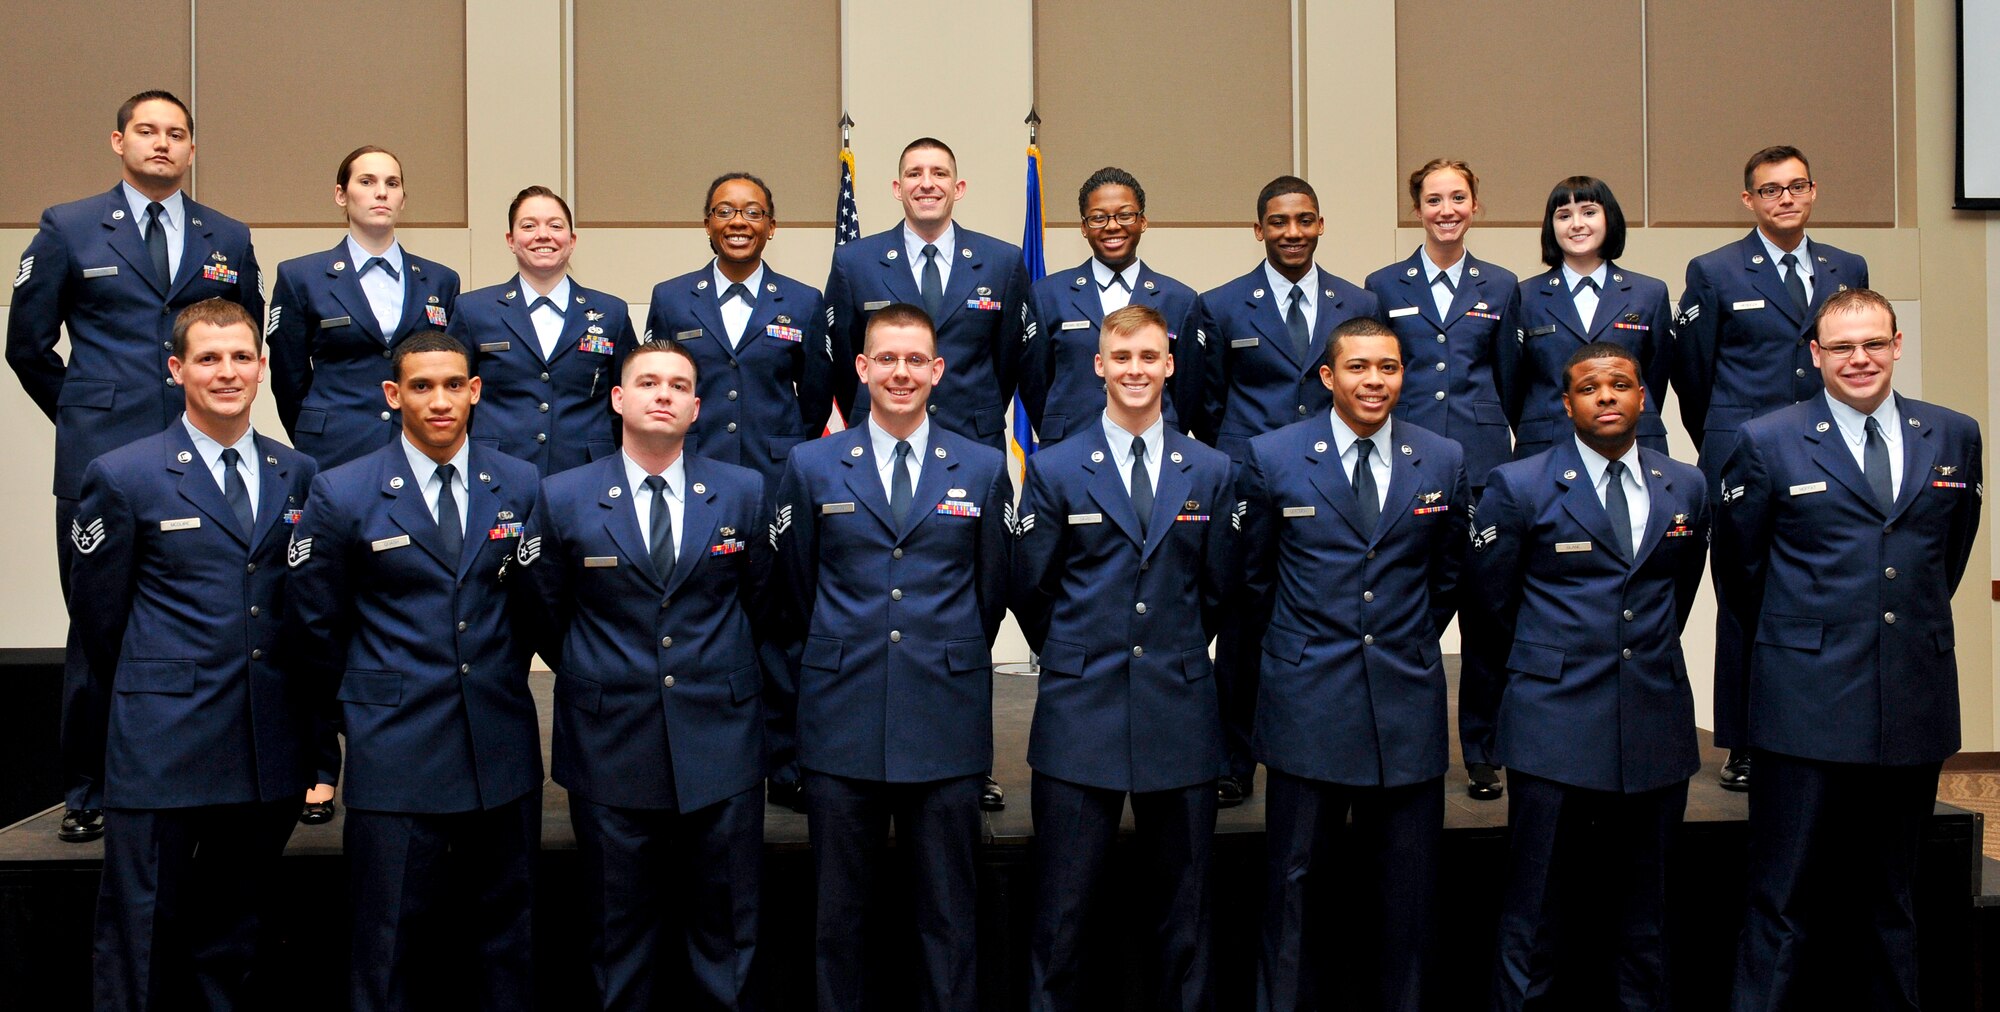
x=187, y=524
x=869, y=307
x=1737, y=307
x=828, y=509
x=387, y=543
x=600, y=561
x=687, y=334
x=101, y=272
x=337, y=321
x=1244, y=342
x=1565, y=547
x=1079, y=519
x=1076, y=325
x=1405, y=311
x=496, y=346
x=1809, y=488
x=1301, y=511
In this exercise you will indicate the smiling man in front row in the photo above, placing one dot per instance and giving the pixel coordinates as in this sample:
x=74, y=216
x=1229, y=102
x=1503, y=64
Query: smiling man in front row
x=893, y=537
x=402, y=603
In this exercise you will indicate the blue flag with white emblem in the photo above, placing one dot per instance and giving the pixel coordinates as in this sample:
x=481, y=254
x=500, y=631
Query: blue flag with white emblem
x=1021, y=437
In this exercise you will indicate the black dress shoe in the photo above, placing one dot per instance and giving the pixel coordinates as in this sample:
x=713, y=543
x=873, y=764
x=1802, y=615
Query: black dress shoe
x=791, y=797
x=1735, y=775
x=991, y=797
x=81, y=825
x=1230, y=792
x=317, y=813
x=1482, y=782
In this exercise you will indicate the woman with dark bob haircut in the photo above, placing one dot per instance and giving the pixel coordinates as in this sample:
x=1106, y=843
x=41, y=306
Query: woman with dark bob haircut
x=1585, y=296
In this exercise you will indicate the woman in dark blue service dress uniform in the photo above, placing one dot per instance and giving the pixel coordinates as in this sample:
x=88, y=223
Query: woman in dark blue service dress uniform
x=546, y=348
x=759, y=337
x=1453, y=314
x=1585, y=296
x=337, y=316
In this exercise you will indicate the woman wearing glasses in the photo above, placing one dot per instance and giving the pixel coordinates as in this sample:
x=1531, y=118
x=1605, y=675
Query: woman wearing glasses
x=1585, y=296
x=758, y=337
x=546, y=349
x=1454, y=316
x=336, y=317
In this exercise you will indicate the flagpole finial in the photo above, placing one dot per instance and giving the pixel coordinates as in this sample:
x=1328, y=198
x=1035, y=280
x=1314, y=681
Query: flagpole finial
x=846, y=124
x=1034, y=122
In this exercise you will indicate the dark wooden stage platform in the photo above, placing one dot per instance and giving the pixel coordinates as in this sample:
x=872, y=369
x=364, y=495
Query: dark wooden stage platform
x=46, y=889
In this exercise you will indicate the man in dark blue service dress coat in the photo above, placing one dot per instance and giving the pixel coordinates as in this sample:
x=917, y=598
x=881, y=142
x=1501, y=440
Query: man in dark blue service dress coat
x=198, y=735
x=651, y=564
x=1586, y=559
x=1353, y=532
x=1059, y=384
x=1125, y=555
x=974, y=288
x=1844, y=527
x=1740, y=351
x=1266, y=335
x=407, y=604
x=114, y=270
x=893, y=537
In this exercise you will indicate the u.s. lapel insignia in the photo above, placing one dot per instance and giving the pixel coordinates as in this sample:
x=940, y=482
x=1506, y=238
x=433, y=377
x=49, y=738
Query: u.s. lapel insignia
x=1319, y=447
x=1758, y=259
x=579, y=301
x=1820, y=259
x=616, y=491
x=1656, y=473
x=1823, y=426
x=1080, y=280
x=1258, y=294
x=1618, y=278
x=701, y=286
x=183, y=456
x=510, y=296
x=770, y=288
x=892, y=255
x=855, y=452
x=485, y=478
x=1915, y=424
x=1411, y=273
x=1097, y=456
x=700, y=489
x=196, y=222
x=1175, y=456
x=340, y=265
x=1474, y=271
x=939, y=452
x=1569, y=475
x=117, y=216
x=273, y=461
x=1406, y=450
x=396, y=482
x=416, y=268
x=1555, y=282
x=966, y=253
x=1147, y=284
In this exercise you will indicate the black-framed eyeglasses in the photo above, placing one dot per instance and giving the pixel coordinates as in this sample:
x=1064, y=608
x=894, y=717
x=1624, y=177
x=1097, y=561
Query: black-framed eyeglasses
x=1797, y=188
x=916, y=360
x=723, y=212
x=1100, y=219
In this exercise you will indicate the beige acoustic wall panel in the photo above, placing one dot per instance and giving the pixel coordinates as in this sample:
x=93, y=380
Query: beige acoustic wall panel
x=671, y=94
x=1725, y=79
x=287, y=90
x=1194, y=98
x=1527, y=92
x=67, y=73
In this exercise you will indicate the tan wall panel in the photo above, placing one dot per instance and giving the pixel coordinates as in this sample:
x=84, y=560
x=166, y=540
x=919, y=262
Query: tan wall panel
x=1724, y=80
x=671, y=94
x=1537, y=98
x=64, y=96
x=1193, y=98
x=287, y=107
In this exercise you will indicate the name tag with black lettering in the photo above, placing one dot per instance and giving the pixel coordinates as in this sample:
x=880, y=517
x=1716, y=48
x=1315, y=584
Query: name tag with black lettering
x=100, y=272
x=1566, y=547
x=1244, y=342
x=869, y=307
x=1301, y=511
x=1737, y=307
x=600, y=561
x=687, y=335
x=1079, y=519
x=1076, y=325
x=387, y=543
x=1541, y=331
x=185, y=524
x=1405, y=311
x=492, y=346
x=829, y=509
x=1809, y=488
x=335, y=321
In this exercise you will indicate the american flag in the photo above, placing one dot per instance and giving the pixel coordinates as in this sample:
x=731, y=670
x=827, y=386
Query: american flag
x=846, y=217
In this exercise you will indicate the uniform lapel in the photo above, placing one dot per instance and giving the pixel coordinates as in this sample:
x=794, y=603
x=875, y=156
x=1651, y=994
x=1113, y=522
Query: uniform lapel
x=932, y=481
x=1612, y=303
x=196, y=247
x=1083, y=296
x=482, y=511
x=344, y=279
x=417, y=294
x=896, y=275
x=1764, y=277
x=1267, y=315
x=1580, y=498
x=1324, y=321
x=697, y=522
x=1325, y=471
x=1170, y=489
x=1661, y=505
x=621, y=517
x=273, y=481
x=576, y=322
x=1560, y=306
x=198, y=485
x=1110, y=488
x=1405, y=472
x=864, y=476
x=1828, y=449
x=965, y=273
x=125, y=238
x=407, y=507
x=707, y=309
x=1920, y=454
x=513, y=305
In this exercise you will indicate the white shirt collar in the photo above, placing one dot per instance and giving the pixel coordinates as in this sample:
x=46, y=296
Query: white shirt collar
x=558, y=295
x=1599, y=276
x=913, y=247
x=1594, y=462
x=1804, y=252
x=1344, y=437
x=1854, y=425
x=1432, y=270
x=359, y=256
x=884, y=444
x=1155, y=438
x=211, y=451
x=423, y=468
x=755, y=283
x=635, y=477
x=1103, y=274
x=1281, y=287
x=170, y=208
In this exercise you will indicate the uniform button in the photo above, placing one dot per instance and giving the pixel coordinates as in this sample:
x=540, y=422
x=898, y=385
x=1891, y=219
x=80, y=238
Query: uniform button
x=1440, y=338
x=169, y=345
x=896, y=594
x=1371, y=554
x=1368, y=595
x=461, y=627
x=1302, y=409
x=1626, y=653
x=1889, y=617
x=668, y=681
x=895, y=636
x=1140, y=607
x=253, y=608
x=1798, y=372
x=1368, y=641
x=1802, y=342
x=663, y=604
x=385, y=416
x=388, y=354
x=896, y=554
x=1890, y=572
x=1628, y=614
x=1888, y=528
x=732, y=364
x=1138, y=651
x=1143, y=566
x=256, y=655
x=250, y=568
x=465, y=669
x=666, y=641
x=732, y=395
x=1438, y=368
x=544, y=407
x=1438, y=396
x=732, y=426
x=541, y=437
x=170, y=381
x=545, y=377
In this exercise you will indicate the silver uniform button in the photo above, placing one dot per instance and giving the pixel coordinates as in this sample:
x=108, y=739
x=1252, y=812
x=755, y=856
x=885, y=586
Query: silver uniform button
x=1440, y=338
x=1798, y=372
x=1626, y=653
x=1140, y=607
x=934, y=409
x=545, y=377
x=1890, y=572
x=896, y=553
x=461, y=627
x=1371, y=553
x=1302, y=409
x=465, y=669
x=1438, y=368
x=1628, y=614
x=541, y=437
x=896, y=594
x=253, y=608
x=1368, y=595
x=732, y=426
x=1368, y=641
x=544, y=406
x=388, y=354
x=1138, y=651
x=668, y=681
x=1889, y=617
x=895, y=636
x=666, y=641
x=256, y=655
x=385, y=416
x=1438, y=396
x=250, y=567
x=732, y=395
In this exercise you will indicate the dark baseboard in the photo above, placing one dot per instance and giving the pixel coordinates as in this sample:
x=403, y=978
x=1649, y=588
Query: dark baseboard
x=1973, y=762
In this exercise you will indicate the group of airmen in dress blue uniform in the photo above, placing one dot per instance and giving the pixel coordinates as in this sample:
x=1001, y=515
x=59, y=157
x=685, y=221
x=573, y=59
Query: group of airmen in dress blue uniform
x=1314, y=476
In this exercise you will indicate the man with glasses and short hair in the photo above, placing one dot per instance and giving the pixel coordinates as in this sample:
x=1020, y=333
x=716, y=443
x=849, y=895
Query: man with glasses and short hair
x=1844, y=526
x=893, y=538
x=1745, y=320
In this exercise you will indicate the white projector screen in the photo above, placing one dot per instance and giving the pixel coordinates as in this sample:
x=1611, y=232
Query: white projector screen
x=1979, y=105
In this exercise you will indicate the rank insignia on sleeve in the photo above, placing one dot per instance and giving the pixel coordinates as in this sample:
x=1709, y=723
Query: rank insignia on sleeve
x=528, y=550
x=86, y=537
x=1236, y=515
x=780, y=524
x=298, y=551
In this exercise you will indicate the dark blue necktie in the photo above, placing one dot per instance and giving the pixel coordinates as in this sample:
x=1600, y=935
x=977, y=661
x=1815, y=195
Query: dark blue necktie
x=387, y=268
x=933, y=284
x=1369, y=500
x=234, y=489
x=1794, y=283
x=1142, y=484
x=1295, y=321
x=156, y=244
x=1616, y=509
x=451, y=532
x=1875, y=465
x=900, y=492
x=660, y=529
x=540, y=303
